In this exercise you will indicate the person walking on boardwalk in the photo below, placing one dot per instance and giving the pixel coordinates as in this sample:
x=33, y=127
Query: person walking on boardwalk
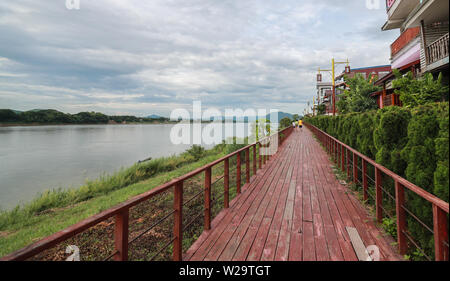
x=300, y=123
x=294, y=124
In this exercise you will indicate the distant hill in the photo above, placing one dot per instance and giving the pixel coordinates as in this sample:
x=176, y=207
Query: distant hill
x=52, y=116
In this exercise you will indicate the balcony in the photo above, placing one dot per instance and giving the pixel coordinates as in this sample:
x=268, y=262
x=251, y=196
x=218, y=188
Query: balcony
x=437, y=52
x=398, y=11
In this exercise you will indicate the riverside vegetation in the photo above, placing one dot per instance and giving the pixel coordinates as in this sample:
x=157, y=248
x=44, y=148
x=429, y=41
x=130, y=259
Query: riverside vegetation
x=55, y=210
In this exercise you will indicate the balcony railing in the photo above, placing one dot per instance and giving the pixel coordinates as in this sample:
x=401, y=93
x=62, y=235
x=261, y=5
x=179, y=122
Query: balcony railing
x=438, y=49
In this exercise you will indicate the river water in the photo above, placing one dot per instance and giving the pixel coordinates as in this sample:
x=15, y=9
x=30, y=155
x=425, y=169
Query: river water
x=33, y=159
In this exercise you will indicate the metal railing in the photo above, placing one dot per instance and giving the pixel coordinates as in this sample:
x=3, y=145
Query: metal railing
x=121, y=212
x=342, y=153
x=438, y=49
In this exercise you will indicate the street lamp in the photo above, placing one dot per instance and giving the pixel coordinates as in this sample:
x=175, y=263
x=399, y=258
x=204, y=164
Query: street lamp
x=332, y=70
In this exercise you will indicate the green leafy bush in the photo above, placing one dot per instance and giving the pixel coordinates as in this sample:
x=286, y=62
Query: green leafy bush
x=390, y=136
x=414, y=92
x=196, y=151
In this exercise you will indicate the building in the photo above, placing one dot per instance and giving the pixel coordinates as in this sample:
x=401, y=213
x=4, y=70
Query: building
x=422, y=45
x=322, y=88
x=424, y=35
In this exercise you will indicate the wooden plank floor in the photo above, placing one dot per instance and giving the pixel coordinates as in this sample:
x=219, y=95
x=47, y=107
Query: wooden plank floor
x=294, y=209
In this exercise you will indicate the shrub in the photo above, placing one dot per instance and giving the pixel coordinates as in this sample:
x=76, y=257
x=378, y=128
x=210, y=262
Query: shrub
x=441, y=175
x=364, y=139
x=390, y=136
x=196, y=151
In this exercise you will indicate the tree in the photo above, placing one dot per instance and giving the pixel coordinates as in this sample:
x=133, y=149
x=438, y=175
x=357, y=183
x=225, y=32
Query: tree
x=285, y=122
x=7, y=115
x=357, y=98
x=414, y=92
x=296, y=117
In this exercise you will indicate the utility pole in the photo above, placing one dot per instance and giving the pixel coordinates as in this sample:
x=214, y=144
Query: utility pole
x=333, y=78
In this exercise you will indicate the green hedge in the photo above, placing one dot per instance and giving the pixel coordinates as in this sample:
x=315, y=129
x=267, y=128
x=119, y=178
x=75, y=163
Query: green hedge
x=412, y=142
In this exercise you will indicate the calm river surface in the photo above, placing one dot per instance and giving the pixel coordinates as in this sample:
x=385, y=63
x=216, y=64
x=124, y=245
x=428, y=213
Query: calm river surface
x=33, y=159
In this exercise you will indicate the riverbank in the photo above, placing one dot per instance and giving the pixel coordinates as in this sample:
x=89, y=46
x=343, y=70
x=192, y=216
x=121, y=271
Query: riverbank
x=55, y=210
x=86, y=124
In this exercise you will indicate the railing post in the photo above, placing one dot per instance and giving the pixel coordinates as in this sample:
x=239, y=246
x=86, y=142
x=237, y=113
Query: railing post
x=247, y=165
x=401, y=217
x=226, y=182
x=178, y=221
x=364, y=179
x=342, y=158
x=334, y=151
x=440, y=234
x=264, y=154
x=347, y=160
x=254, y=159
x=339, y=161
x=121, y=236
x=328, y=144
x=238, y=173
x=355, y=168
x=260, y=156
x=379, y=195
x=207, y=199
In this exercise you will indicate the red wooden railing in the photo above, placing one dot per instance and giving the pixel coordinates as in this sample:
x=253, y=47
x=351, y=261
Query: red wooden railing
x=121, y=211
x=342, y=154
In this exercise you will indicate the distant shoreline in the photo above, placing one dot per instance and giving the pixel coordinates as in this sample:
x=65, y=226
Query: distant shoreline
x=68, y=124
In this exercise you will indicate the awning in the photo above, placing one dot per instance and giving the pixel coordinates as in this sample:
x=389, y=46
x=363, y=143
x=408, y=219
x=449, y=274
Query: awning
x=410, y=56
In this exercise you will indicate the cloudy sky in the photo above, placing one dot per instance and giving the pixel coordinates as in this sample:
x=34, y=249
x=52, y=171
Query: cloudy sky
x=143, y=57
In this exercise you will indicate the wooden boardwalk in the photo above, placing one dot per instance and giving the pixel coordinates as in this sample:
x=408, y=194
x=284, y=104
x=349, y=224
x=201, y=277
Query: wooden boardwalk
x=294, y=209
